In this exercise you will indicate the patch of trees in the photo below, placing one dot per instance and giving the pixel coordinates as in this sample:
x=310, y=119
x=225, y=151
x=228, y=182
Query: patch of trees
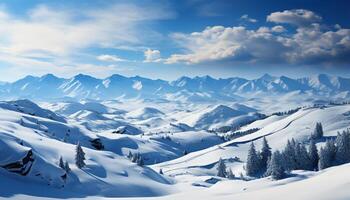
x=298, y=156
x=136, y=158
x=64, y=165
x=334, y=103
x=238, y=134
x=288, y=112
x=222, y=170
x=226, y=129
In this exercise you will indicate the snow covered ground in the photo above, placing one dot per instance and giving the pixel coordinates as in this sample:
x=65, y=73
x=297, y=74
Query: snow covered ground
x=174, y=137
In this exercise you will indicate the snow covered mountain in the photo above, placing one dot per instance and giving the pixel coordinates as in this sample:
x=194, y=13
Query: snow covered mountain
x=194, y=89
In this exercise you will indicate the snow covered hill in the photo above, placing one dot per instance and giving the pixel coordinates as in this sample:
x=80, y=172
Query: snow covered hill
x=179, y=143
x=219, y=116
x=277, y=131
x=331, y=183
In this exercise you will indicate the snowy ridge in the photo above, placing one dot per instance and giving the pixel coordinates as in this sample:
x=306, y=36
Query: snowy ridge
x=195, y=89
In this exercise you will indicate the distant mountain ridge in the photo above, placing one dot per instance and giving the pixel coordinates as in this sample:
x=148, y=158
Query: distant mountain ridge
x=203, y=88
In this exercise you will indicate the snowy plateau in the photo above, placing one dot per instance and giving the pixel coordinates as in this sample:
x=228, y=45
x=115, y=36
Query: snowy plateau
x=192, y=138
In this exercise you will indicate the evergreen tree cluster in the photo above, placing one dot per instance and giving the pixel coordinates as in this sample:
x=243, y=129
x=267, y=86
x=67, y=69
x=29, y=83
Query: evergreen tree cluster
x=289, y=112
x=64, y=165
x=136, y=158
x=222, y=170
x=257, y=161
x=299, y=156
x=335, y=152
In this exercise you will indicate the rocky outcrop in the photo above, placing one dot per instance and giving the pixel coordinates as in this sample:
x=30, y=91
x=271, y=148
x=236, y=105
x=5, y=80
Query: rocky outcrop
x=21, y=166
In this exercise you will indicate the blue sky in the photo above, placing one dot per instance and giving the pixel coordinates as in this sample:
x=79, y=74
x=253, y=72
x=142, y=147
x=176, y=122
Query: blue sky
x=169, y=39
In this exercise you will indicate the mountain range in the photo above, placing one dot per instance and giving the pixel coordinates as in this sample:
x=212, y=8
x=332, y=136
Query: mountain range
x=203, y=88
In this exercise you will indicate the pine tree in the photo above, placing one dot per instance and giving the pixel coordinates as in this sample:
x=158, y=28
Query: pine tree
x=268, y=168
x=221, y=169
x=79, y=157
x=327, y=155
x=323, y=162
x=253, y=162
x=61, y=163
x=318, y=132
x=343, y=148
x=313, y=155
x=140, y=161
x=276, y=166
x=230, y=174
x=66, y=167
x=130, y=155
x=135, y=157
x=265, y=153
x=302, y=157
x=289, y=156
x=332, y=150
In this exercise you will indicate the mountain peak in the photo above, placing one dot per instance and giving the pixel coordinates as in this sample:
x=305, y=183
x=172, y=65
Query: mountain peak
x=49, y=77
x=206, y=77
x=84, y=77
x=267, y=77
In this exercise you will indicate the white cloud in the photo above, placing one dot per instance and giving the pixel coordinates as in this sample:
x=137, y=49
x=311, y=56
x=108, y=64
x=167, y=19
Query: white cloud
x=43, y=37
x=248, y=19
x=62, y=32
x=278, y=29
x=109, y=58
x=309, y=44
x=152, y=55
x=298, y=17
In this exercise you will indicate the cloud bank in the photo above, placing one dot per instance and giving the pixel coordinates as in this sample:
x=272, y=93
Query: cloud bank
x=309, y=43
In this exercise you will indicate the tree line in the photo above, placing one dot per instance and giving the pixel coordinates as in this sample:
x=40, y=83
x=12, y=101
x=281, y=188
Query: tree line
x=295, y=156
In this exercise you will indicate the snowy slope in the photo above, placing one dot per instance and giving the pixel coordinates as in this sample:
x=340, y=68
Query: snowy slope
x=298, y=125
x=106, y=173
x=331, y=183
x=144, y=113
x=218, y=116
x=168, y=135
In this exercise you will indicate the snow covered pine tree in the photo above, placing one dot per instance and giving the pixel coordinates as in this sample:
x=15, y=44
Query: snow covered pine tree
x=253, y=162
x=79, y=157
x=276, y=166
x=221, y=169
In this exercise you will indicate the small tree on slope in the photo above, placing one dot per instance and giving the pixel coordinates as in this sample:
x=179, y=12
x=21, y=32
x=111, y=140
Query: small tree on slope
x=253, y=161
x=318, y=132
x=313, y=155
x=265, y=153
x=221, y=169
x=79, y=157
x=66, y=167
x=276, y=166
x=61, y=163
